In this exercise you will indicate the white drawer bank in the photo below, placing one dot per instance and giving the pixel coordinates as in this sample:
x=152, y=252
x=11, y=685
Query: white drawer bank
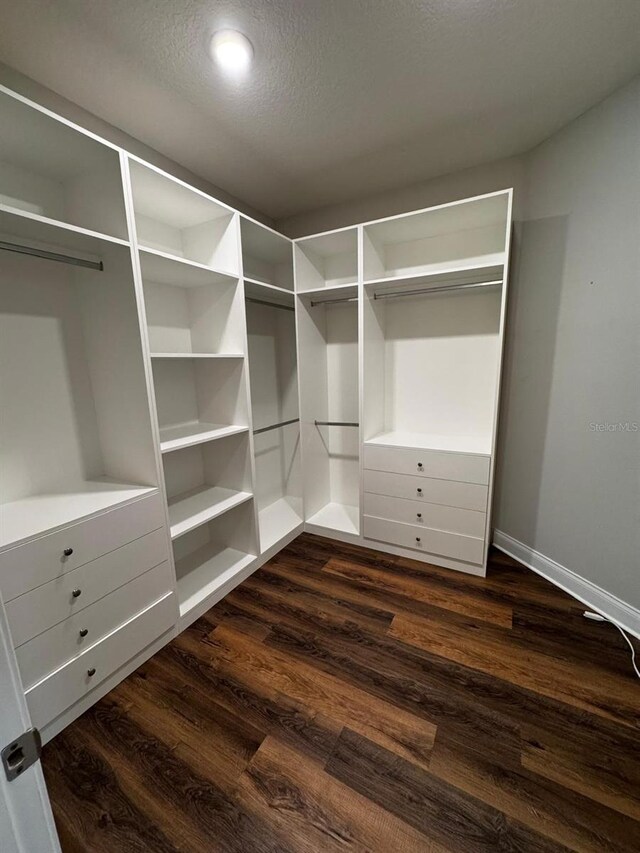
x=84, y=600
x=429, y=501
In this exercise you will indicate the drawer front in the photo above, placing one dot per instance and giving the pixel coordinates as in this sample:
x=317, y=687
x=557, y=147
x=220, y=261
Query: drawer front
x=50, y=697
x=27, y=566
x=67, y=640
x=425, y=540
x=467, y=522
x=42, y=608
x=416, y=488
x=428, y=463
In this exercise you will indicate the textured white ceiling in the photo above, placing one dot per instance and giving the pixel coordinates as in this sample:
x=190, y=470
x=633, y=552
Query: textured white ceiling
x=346, y=97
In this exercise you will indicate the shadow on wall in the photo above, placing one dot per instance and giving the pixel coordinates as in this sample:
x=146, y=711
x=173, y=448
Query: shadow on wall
x=535, y=291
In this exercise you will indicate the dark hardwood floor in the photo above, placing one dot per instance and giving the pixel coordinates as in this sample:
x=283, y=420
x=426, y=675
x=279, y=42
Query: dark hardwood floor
x=341, y=699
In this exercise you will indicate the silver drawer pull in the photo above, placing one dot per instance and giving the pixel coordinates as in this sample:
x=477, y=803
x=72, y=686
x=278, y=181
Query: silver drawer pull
x=76, y=593
x=68, y=552
x=417, y=538
x=418, y=515
x=83, y=632
x=419, y=491
x=91, y=672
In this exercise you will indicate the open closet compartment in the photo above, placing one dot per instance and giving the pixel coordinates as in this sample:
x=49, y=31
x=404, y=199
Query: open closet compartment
x=176, y=220
x=273, y=373
x=327, y=261
x=211, y=558
x=431, y=371
x=329, y=406
x=267, y=257
x=53, y=172
x=80, y=441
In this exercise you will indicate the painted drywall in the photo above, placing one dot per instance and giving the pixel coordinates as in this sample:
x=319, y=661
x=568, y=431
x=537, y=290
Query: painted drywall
x=498, y=175
x=72, y=112
x=569, y=465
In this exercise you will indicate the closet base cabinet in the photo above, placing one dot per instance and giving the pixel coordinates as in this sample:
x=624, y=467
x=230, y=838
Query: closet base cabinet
x=82, y=600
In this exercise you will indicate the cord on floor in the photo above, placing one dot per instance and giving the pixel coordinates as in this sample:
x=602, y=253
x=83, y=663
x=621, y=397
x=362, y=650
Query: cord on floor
x=597, y=617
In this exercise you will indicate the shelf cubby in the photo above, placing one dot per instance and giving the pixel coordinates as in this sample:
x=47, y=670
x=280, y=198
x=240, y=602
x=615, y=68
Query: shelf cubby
x=467, y=235
x=55, y=172
x=199, y=400
x=206, y=480
x=81, y=439
x=209, y=559
x=267, y=257
x=178, y=221
x=328, y=348
x=327, y=260
x=191, y=310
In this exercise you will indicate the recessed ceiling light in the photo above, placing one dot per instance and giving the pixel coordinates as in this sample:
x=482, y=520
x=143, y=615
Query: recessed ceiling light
x=232, y=51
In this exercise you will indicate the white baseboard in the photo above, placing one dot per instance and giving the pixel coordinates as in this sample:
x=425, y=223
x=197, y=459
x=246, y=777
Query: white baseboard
x=585, y=591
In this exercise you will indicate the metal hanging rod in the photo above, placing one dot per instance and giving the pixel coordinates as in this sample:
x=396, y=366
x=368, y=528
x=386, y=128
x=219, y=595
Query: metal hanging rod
x=444, y=289
x=315, y=302
x=51, y=256
x=276, y=426
x=269, y=304
x=337, y=423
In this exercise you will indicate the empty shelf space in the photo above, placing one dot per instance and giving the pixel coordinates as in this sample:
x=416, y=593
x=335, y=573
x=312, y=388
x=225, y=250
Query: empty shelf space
x=335, y=516
x=334, y=291
x=267, y=257
x=447, y=274
x=36, y=514
x=196, y=507
x=327, y=260
x=207, y=571
x=197, y=355
x=478, y=445
x=164, y=268
x=276, y=521
x=177, y=436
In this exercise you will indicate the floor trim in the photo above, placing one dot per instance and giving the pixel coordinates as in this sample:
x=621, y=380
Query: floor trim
x=585, y=591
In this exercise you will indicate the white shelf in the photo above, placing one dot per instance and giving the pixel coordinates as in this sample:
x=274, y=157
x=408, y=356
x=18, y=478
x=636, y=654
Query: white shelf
x=53, y=234
x=201, y=574
x=197, y=355
x=276, y=522
x=350, y=289
x=164, y=268
x=265, y=284
x=335, y=516
x=194, y=432
x=487, y=268
x=197, y=506
x=23, y=519
x=478, y=445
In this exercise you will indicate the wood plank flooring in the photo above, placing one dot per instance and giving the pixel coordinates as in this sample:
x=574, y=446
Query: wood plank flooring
x=341, y=699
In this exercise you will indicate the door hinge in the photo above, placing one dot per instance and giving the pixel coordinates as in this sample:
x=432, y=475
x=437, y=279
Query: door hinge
x=21, y=753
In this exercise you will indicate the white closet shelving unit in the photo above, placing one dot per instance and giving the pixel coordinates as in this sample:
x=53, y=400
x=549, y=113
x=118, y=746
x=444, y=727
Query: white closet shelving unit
x=189, y=256
x=274, y=383
x=186, y=390
x=326, y=275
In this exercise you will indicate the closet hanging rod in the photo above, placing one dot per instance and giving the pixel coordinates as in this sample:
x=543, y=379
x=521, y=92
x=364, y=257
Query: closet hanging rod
x=51, y=256
x=336, y=423
x=445, y=289
x=269, y=304
x=276, y=426
x=315, y=302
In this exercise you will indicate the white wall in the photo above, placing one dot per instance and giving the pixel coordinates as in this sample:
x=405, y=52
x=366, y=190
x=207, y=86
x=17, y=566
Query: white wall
x=570, y=492
x=564, y=488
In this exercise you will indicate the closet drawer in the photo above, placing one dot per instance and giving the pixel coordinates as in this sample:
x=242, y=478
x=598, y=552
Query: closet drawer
x=416, y=488
x=42, y=608
x=64, y=641
x=426, y=540
x=464, y=521
x=27, y=566
x=50, y=697
x=428, y=463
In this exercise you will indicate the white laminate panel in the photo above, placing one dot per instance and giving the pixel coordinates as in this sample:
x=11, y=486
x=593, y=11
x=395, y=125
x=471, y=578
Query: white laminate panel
x=419, y=488
x=428, y=463
x=452, y=545
x=34, y=563
x=50, y=650
x=467, y=522
x=39, y=609
x=58, y=691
